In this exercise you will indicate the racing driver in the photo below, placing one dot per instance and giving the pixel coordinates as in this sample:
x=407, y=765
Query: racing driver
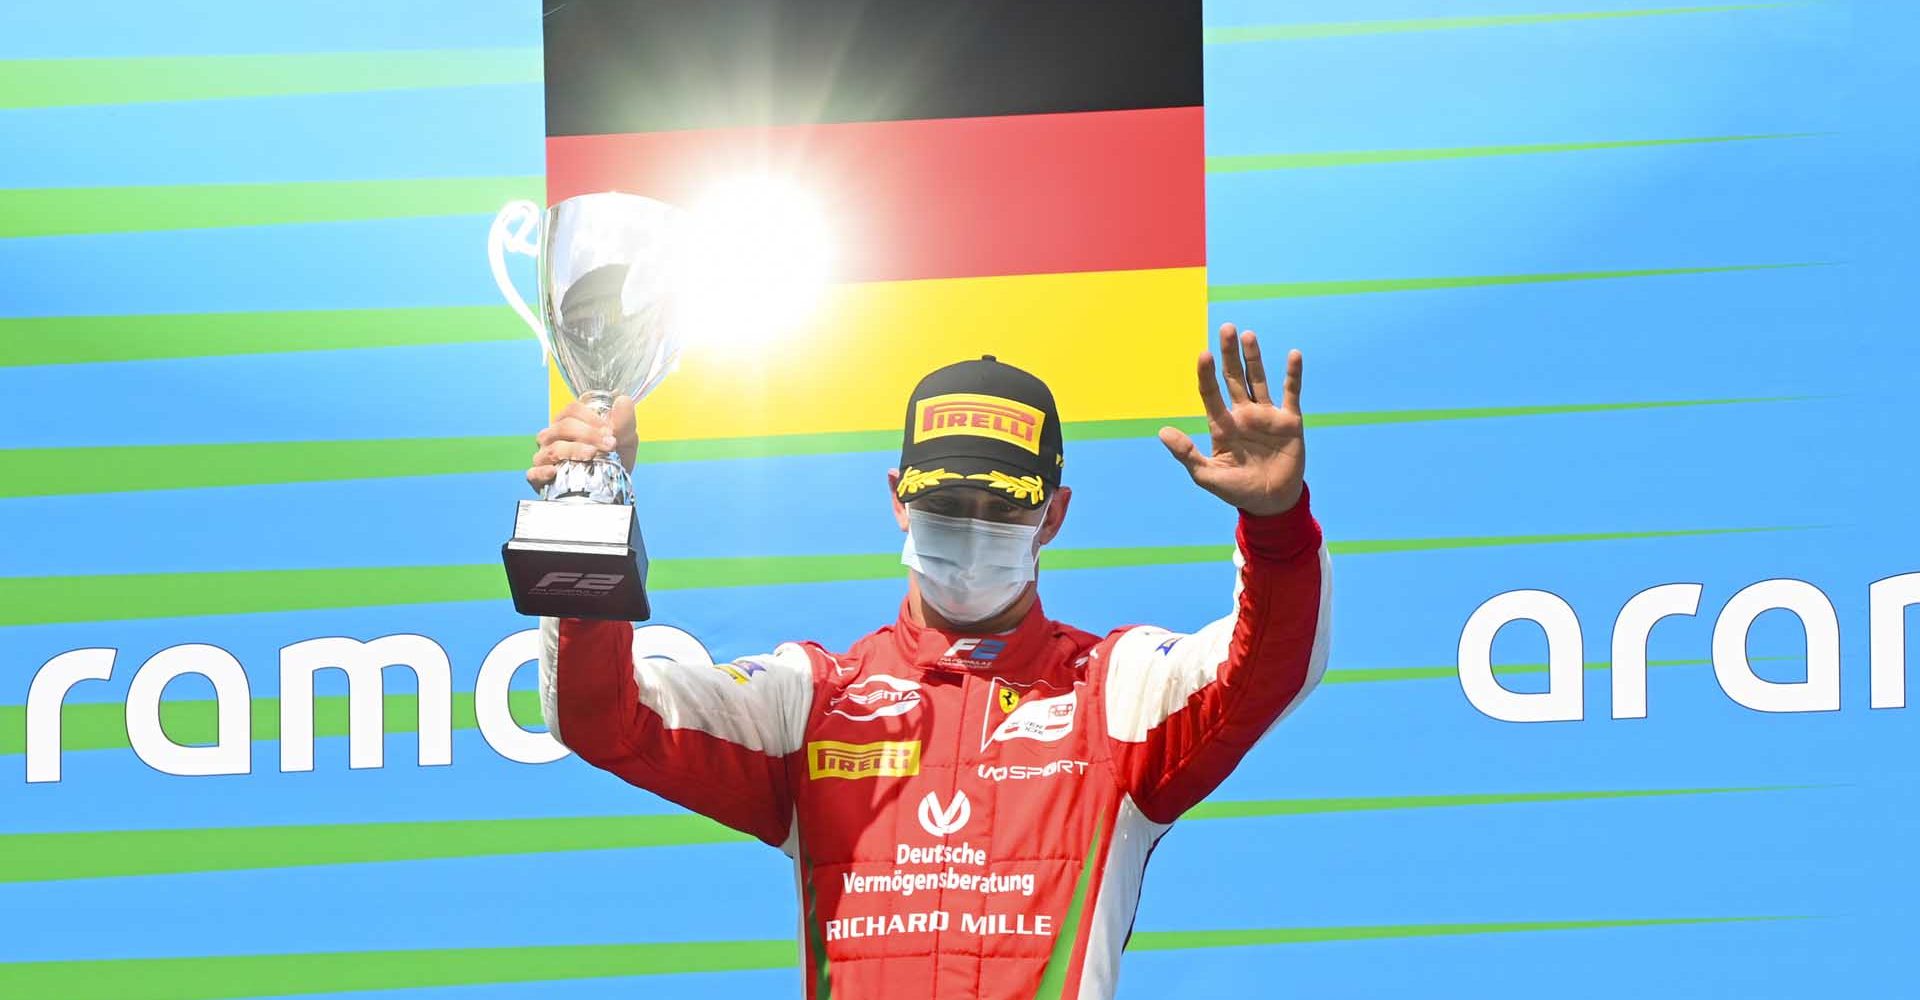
x=970, y=793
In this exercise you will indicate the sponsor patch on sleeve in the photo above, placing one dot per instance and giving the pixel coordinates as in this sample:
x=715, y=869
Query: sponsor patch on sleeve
x=742, y=671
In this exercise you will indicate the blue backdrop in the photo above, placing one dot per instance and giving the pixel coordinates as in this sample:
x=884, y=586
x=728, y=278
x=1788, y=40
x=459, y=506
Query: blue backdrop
x=1594, y=296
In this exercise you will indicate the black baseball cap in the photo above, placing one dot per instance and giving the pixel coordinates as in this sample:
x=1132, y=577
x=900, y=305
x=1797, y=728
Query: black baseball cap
x=982, y=424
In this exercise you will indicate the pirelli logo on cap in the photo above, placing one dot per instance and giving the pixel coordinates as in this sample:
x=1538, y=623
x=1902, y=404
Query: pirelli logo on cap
x=971, y=413
x=833, y=759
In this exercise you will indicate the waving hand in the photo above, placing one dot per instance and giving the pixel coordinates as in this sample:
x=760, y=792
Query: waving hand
x=1259, y=455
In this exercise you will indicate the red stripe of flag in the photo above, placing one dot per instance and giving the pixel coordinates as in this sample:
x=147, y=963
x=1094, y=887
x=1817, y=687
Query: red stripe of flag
x=943, y=198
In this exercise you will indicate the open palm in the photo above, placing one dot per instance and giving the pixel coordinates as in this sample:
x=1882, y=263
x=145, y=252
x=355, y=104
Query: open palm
x=1259, y=458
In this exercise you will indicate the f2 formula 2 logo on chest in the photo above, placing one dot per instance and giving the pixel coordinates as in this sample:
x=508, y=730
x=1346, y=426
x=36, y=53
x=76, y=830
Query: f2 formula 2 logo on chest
x=1013, y=715
x=973, y=651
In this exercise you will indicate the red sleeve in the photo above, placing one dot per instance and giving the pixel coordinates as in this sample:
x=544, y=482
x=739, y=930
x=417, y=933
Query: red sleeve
x=1182, y=710
x=712, y=738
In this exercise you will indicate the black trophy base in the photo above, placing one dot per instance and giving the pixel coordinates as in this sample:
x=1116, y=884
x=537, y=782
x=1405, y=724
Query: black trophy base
x=577, y=560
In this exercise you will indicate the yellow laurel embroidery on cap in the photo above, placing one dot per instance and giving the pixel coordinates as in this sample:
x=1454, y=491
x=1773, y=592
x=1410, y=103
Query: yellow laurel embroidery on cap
x=970, y=413
x=914, y=480
x=1022, y=487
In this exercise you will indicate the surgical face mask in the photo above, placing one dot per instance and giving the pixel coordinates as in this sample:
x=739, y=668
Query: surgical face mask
x=969, y=570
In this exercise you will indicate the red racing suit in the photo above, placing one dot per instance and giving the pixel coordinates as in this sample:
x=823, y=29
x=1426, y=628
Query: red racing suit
x=969, y=815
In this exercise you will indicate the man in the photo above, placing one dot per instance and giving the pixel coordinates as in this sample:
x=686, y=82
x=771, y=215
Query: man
x=970, y=794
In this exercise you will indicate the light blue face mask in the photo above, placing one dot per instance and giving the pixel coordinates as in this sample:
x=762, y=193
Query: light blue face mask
x=969, y=570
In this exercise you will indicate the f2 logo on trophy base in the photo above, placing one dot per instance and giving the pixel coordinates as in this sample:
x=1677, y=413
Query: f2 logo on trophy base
x=565, y=583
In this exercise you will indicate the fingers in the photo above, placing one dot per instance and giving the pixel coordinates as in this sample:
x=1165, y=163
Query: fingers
x=1182, y=448
x=585, y=428
x=1210, y=393
x=1290, y=392
x=1230, y=358
x=580, y=410
x=626, y=434
x=622, y=417
x=578, y=434
x=565, y=451
x=1256, y=369
x=586, y=415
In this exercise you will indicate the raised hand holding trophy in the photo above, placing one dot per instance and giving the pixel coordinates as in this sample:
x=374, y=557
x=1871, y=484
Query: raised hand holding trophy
x=609, y=266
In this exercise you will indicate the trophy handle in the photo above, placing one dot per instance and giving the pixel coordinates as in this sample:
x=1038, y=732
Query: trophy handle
x=517, y=228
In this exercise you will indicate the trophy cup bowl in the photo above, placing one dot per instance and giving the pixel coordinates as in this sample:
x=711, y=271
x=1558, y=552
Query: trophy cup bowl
x=609, y=273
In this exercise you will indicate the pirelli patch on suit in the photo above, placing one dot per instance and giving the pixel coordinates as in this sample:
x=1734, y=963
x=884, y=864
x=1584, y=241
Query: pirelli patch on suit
x=885, y=759
x=978, y=415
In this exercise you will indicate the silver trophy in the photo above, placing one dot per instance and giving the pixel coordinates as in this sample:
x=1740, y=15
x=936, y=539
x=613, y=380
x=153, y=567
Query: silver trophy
x=609, y=271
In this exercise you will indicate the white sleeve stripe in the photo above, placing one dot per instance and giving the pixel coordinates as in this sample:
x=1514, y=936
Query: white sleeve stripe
x=549, y=694
x=767, y=713
x=1144, y=688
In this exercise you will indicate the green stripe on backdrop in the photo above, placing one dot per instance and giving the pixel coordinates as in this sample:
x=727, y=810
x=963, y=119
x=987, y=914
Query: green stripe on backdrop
x=24, y=471
x=46, y=857
x=66, y=211
x=195, y=721
x=1375, y=286
x=1386, y=545
x=66, y=340
x=1369, y=157
x=228, y=977
x=1345, y=29
x=1374, y=675
x=82, y=339
x=43, y=83
x=102, y=725
x=1182, y=940
x=779, y=445
x=1306, y=807
x=40, y=600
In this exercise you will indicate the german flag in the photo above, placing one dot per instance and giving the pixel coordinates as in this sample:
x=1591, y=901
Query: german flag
x=1008, y=177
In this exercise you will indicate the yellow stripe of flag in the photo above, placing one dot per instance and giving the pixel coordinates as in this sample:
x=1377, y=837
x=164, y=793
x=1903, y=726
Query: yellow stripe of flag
x=1111, y=345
